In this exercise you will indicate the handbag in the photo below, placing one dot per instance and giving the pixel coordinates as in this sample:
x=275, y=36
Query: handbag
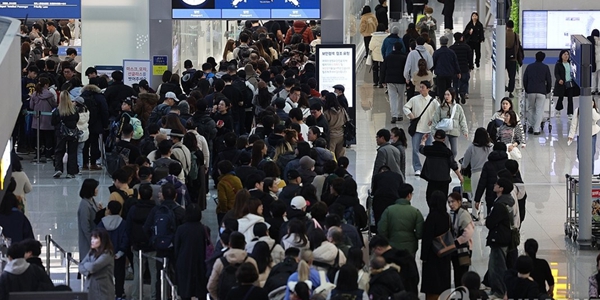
x=447, y=124
x=349, y=128
x=515, y=153
x=464, y=257
x=369, y=61
x=412, y=128
x=69, y=132
x=444, y=244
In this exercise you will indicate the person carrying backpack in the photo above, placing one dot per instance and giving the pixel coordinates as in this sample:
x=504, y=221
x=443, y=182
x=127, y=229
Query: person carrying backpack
x=115, y=225
x=222, y=279
x=299, y=29
x=121, y=192
x=137, y=216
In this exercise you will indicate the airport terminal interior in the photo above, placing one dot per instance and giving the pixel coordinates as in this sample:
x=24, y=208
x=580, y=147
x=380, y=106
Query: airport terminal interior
x=52, y=206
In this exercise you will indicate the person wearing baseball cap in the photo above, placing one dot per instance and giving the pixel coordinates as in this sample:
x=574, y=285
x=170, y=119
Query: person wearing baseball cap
x=292, y=187
x=339, y=90
x=164, y=108
x=438, y=162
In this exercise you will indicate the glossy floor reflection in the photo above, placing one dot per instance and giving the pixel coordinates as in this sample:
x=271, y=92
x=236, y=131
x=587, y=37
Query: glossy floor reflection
x=52, y=206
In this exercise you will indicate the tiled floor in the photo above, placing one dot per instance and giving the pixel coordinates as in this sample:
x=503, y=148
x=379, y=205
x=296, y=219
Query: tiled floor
x=53, y=203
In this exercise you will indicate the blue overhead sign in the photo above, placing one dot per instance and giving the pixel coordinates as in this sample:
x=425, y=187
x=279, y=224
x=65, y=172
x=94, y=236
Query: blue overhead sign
x=60, y=9
x=246, y=9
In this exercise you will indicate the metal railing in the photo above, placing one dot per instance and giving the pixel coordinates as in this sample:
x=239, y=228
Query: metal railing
x=67, y=259
x=37, y=115
x=164, y=277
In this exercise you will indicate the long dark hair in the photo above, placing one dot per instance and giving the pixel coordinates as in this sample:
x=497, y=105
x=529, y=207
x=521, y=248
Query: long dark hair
x=366, y=9
x=172, y=121
x=331, y=101
x=257, y=155
x=531, y=248
x=422, y=68
x=452, y=92
x=106, y=245
x=42, y=82
x=513, y=118
x=262, y=255
x=190, y=141
x=482, y=138
x=507, y=100
x=297, y=227
x=347, y=278
x=399, y=132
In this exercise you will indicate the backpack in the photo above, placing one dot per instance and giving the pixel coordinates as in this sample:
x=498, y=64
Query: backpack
x=138, y=130
x=138, y=237
x=163, y=229
x=298, y=37
x=227, y=279
x=284, y=159
x=128, y=201
x=326, y=191
x=158, y=112
x=116, y=159
x=349, y=216
x=193, y=173
x=147, y=145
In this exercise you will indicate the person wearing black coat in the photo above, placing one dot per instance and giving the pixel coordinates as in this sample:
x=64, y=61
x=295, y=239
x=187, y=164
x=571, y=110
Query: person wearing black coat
x=116, y=93
x=384, y=283
x=392, y=75
x=445, y=66
x=439, y=160
x=436, y=276
x=65, y=116
x=381, y=13
x=448, y=12
x=384, y=187
x=474, y=35
x=190, y=246
x=489, y=174
x=464, y=54
x=498, y=239
x=281, y=272
x=537, y=82
x=409, y=273
x=20, y=276
x=98, y=108
x=563, y=76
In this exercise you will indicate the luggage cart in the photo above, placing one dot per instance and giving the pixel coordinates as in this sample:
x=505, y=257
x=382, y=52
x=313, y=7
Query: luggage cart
x=571, y=225
x=548, y=113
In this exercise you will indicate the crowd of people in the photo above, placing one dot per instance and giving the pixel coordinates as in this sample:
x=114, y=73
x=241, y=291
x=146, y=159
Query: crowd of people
x=289, y=216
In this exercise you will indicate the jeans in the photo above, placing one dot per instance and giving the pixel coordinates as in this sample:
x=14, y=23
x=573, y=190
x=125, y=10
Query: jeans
x=535, y=110
x=416, y=141
x=559, y=102
x=80, y=154
x=496, y=270
x=593, y=150
x=135, y=291
x=396, y=94
x=511, y=67
x=451, y=142
x=443, y=83
x=476, y=47
x=462, y=85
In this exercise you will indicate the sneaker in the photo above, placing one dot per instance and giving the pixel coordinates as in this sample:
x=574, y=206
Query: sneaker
x=400, y=119
x=463, y=100
x=570, y=116
x=510, y=95
x=537, y=133
x=57, y=174
x=530, y=130
x=557, y=113
x=375, y=84
x=394, y=120
x=418, y=173
x=70, y=176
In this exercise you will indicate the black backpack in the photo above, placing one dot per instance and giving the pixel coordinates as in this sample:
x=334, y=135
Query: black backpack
x=298, y=37
x=116, y=159
x=163, y=228
x=128, y=201
x=227, y=279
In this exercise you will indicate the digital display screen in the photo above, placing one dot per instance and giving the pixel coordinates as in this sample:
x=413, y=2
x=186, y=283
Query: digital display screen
x=62, y=9
x=336, y=65
x=552, y=29
x=246, y=9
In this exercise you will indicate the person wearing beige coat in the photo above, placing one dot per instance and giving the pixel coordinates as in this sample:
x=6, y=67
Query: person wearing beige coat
x=368, y=25
x=375, y=50
x=233, y=256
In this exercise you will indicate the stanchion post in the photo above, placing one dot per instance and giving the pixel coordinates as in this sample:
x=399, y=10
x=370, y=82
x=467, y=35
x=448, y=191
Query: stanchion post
x=38, y=115
x=48, y=241
x=67, y=271
x=163, y=279
x=141, y=273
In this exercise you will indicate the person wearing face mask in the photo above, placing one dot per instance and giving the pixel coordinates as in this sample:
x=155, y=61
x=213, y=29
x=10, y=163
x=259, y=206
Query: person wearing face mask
x=428, y=23
x=338, y=90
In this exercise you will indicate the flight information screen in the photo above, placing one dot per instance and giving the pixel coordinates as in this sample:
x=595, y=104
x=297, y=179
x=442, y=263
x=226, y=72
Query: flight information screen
x=246, y=9
x=62, y=9
x=552, y=29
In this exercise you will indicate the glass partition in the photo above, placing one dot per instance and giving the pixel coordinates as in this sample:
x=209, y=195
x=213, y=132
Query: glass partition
x=352, y=21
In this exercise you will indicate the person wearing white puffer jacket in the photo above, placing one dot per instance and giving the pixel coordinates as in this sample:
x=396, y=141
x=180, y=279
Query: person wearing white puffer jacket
x=252, y=216
x=375, y=48
x=83, y=125
x=324, y=252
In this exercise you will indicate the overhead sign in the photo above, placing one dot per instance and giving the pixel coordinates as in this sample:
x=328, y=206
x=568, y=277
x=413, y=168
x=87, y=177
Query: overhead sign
x=246, y=9
x=136, y=70
x=336, y=64
x=61, y=9
x=159, y=64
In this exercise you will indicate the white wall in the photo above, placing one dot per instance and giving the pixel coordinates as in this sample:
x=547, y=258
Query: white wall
x=114, y=30
x=10, y=85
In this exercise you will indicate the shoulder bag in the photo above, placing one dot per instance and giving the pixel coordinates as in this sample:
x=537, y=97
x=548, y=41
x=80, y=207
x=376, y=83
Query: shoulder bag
x=349, y=128
x=515, y=154
x=447, y=124
x=444, y=244
x=412, y=128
